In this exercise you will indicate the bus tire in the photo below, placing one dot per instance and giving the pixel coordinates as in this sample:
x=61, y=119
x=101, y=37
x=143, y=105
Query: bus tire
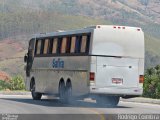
x=114, y=100
x=35, y=95
x=62, y=91
x=111, y=101
x=68, y=91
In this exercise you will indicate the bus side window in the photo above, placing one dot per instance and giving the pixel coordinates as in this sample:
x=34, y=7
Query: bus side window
x=54, y=48
x=38, y=47
x=68, y=45
x=50, y=45
x=88, y=43
x=78, y=44
x=63, y=45
x=45, y=46
x=42, y=47
x=59, y=43
x=73, y=43
x=83, y=44
x=31, y=47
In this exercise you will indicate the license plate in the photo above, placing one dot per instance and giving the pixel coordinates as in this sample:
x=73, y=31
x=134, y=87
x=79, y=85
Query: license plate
x=117, y=81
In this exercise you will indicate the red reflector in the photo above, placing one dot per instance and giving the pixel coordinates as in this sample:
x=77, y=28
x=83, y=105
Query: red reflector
x=123, y=27
x=114, y=26
x=119, y=27
x=141, y=79
x=92, y=75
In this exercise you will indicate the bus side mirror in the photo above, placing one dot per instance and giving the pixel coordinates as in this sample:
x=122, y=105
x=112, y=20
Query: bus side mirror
x=25, y=58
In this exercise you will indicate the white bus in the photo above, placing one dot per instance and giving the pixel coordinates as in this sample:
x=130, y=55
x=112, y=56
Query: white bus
x=104, y=61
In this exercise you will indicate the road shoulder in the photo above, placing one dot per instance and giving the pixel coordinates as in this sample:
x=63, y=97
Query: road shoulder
x=136, y=99
x=142, y=100
x=15, y=93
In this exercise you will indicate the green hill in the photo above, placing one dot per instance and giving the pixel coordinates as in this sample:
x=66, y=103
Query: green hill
x=152, y=51
x=152, y=44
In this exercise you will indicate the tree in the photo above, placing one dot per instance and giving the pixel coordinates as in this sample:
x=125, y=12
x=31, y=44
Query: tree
x=151, y=87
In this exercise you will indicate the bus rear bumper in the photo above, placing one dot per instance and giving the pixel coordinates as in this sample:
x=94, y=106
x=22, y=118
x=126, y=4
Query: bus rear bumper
x=117, y=91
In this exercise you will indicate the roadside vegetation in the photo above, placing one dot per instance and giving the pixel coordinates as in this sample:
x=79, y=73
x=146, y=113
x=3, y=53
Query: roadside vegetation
x=151, y=85
x=16, y=83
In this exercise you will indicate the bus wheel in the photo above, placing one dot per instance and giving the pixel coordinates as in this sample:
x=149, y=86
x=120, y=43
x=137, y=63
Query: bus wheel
x=35, y=95
x=114, y=100
x=68, y=91
x=62, y=91
x=111, y=101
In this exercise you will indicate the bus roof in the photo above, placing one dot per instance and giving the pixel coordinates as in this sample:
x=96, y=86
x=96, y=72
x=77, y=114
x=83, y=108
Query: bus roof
x=84, y=30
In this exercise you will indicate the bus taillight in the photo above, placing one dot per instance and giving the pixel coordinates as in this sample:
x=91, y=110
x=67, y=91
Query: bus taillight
x=141, y=79
x=92, y=75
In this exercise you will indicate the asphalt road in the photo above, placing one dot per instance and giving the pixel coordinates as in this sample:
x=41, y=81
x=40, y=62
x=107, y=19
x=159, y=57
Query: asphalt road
x=49, y=108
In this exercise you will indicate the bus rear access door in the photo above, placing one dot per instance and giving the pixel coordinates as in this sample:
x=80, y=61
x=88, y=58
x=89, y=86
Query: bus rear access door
x=117, y=71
